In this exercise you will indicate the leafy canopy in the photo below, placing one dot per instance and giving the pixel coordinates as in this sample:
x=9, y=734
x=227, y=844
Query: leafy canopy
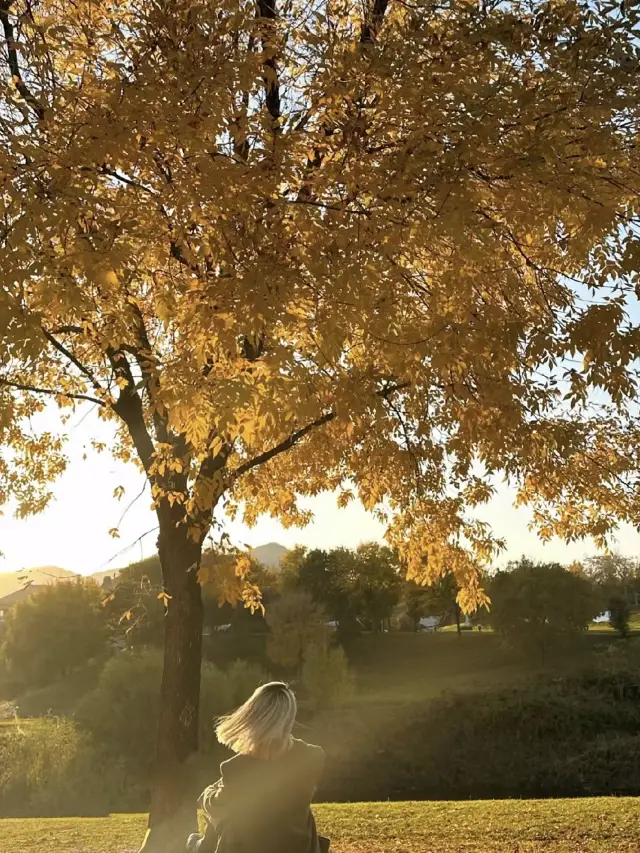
x=296, y=624
x=354, y=588
x=288, y=247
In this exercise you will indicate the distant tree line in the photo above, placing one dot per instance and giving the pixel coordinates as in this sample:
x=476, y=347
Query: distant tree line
x=102, y=648
x=316, y=599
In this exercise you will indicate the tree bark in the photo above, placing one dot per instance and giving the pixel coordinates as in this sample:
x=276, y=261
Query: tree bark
x=458, y=619
x=173, y=801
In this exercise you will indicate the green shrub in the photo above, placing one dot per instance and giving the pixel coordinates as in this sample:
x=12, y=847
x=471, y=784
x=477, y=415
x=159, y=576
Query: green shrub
x=217, y=696
x=62, y=698
x=223, y=648
x=296, y=624
x=121, y=714
x=326, y=677
x=49, y=768
x=607, y=766
x=571, y=736
x=243, y=677
x=619, y=615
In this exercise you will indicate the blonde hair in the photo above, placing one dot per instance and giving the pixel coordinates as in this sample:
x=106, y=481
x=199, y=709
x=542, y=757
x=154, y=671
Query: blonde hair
x=263, y=725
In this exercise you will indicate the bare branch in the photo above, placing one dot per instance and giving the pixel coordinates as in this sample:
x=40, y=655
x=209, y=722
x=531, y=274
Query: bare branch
x=50, y=391
x=14, y=66
x=129, y=547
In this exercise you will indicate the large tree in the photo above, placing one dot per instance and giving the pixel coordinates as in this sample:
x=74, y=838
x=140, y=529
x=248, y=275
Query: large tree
x=439, y=599
x=377, y=584
x=293, y=247
x=539, y=605
x=329, y=577
x=355, y=588
x=615, y=575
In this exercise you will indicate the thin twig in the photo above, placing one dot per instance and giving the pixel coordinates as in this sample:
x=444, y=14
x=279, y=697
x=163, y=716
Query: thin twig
x=128, y=547
x=117, y=176
x=51, y=391
x=137, y=498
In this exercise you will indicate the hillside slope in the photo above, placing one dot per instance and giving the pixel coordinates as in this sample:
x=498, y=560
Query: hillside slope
x=40, y=576
x=269, y=555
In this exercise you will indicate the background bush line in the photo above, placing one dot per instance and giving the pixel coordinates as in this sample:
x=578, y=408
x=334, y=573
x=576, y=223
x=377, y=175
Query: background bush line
x=568, y=735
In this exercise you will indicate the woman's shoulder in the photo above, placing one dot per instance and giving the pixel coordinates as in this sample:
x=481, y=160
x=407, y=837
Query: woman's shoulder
x=303, y=752
x=308, y=750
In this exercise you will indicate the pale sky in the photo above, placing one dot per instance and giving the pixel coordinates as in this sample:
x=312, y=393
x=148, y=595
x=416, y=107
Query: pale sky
x=73, y=532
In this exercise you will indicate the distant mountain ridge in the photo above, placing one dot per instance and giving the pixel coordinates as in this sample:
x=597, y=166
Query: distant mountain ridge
x=269, y=555
x=40, y=576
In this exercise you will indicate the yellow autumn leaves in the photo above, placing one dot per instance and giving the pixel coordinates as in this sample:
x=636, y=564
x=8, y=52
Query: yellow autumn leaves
x=378, y=286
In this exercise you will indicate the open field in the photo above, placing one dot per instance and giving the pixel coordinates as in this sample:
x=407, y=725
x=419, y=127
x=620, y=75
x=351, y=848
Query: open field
x=528, y=826
x=397, y=668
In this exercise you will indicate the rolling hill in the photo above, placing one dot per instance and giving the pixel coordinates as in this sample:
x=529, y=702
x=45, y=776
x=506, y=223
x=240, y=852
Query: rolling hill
x=40, y=576
x=269, y=555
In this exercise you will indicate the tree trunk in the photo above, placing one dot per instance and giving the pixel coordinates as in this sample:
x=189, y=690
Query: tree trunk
x=173, y=800
x=458, y=619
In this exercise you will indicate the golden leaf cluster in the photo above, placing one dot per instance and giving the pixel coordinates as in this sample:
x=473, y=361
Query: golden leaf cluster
x=380, y=252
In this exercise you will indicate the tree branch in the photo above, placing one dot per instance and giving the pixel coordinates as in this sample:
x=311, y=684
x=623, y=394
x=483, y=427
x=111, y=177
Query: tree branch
x=375, y=14
x=128, y=407
x=148, y=364
x=129, y=547
x=117, y=176
x=287, y=444
x=67, y=330
x=296, y=436
x=50, y=391
x=267, y=10
x=14, y=66
x=241, y=145
x=177, y=253
x=71, y=357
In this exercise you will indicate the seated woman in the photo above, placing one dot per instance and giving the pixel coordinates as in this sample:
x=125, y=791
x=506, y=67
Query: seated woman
x=262, y=802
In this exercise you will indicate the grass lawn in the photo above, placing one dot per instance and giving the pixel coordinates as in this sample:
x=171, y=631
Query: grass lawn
x=527, y=826
x=398, y=668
